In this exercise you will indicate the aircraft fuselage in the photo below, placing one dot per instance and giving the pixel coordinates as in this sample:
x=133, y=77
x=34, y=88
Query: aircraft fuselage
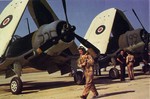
x=50, y=38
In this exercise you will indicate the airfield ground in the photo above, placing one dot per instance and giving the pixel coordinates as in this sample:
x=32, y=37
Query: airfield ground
x=40, y=85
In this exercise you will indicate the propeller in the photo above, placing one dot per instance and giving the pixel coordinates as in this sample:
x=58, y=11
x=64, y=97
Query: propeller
x=86, y=43
x=72, y=29
x=67, y=32
x=144, y=34
x=65, y=11
x=138, y=18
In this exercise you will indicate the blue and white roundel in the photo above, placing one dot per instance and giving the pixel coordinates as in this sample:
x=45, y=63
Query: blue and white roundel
x=6, y=21
x=100, y=29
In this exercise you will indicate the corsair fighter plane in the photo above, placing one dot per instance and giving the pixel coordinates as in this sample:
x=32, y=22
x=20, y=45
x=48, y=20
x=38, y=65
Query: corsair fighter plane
x=110, y=31
x=45, y=49
x=48, y=47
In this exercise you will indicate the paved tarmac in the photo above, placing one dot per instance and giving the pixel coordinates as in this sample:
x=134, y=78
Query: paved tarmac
x=41, y=85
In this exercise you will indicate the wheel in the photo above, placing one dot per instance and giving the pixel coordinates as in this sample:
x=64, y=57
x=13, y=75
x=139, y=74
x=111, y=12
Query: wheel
x=16, y=85
x=114, y=73
x=79, y=79
x=146, y=69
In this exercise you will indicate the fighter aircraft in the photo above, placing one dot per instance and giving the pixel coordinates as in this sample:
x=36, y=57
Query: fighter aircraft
x=45, y=49
x=48, y=47
x=110, y=31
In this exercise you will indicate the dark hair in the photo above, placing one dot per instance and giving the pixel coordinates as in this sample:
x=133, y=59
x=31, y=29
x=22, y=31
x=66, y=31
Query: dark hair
x=129, y=52
x=118, y=53
x=82, y=48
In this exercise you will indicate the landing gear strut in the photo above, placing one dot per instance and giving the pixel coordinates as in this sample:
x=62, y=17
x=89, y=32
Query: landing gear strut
x=16, y=85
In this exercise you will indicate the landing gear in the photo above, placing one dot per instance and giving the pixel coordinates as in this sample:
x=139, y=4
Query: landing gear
x=79, y=79
x=146, y=69
x=114, y=73
x=16, y=85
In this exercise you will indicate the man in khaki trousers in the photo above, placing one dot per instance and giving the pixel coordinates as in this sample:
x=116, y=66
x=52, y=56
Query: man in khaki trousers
x=86, y=62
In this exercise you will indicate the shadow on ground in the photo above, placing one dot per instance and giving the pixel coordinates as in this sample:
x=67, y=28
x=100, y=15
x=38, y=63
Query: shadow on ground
x=32, y=86
x=115, y=93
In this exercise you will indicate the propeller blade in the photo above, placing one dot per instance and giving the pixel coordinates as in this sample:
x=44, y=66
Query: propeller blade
x=86, y=43
x=65, y=10
x=144, y=33
x=72, y=28
x=138, y=18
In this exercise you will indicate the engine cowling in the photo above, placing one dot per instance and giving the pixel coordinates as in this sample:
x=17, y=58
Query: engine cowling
x=131, y=40
x=53, y=37
x=52, y=31
x=144, y=36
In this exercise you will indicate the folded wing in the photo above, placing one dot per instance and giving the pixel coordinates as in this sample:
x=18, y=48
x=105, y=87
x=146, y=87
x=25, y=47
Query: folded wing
x=107, y=24
x=9, y=20
x=41, y=12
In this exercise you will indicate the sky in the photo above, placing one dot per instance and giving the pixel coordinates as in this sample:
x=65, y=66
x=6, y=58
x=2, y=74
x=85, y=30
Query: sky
x=82, y=12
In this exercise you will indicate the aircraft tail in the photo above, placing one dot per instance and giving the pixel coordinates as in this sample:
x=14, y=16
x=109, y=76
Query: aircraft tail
x=9, y=20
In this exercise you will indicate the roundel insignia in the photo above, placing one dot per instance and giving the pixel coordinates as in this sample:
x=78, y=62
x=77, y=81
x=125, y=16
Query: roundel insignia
x=100, y=29
x=6, y=21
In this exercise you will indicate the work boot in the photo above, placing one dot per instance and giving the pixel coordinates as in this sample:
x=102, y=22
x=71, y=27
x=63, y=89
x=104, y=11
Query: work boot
x=95, y=97
x=83, y=97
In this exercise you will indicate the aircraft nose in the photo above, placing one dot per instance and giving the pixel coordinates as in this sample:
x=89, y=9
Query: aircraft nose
x=144, y=36
x=65, y=31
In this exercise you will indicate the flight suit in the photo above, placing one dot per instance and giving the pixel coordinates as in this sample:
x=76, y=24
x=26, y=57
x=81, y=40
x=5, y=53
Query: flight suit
x=88, y=67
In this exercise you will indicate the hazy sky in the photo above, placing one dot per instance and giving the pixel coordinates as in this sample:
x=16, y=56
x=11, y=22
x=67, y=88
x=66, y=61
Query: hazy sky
x=82, y=12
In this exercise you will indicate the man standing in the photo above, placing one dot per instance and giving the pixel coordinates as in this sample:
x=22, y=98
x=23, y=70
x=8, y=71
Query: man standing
x=130, y=62
x=86, y=62
x=122, y=61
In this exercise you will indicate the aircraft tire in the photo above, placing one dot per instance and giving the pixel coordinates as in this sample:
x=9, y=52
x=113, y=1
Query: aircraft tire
x=146, y=69
x=16, y=85
x=113, y=73
x=79, y=79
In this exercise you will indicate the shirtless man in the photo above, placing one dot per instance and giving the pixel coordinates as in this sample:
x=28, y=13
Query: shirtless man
x=130, y=63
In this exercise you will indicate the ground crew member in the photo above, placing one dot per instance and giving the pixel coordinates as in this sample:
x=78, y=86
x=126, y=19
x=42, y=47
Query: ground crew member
x=86, y=62
x=130, y=62
x=122, y=61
